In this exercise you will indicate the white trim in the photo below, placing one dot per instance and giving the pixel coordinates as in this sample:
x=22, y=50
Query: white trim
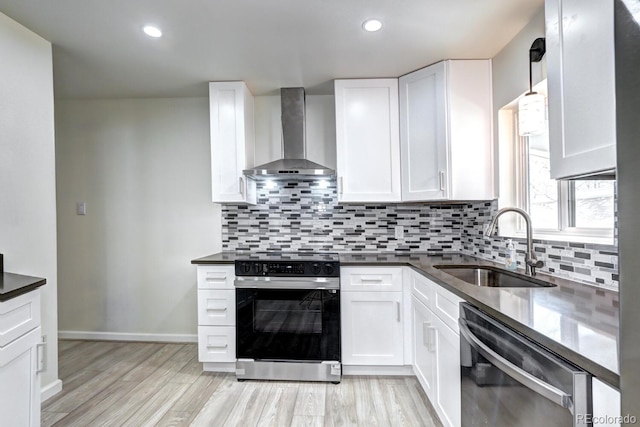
x=125, y=336
x=50, y=390
x=377, y=370
x=219, y=367
x=560, y=237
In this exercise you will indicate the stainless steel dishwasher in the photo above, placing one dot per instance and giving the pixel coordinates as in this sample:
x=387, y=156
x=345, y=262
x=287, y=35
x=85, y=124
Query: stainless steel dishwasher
x=510, y=381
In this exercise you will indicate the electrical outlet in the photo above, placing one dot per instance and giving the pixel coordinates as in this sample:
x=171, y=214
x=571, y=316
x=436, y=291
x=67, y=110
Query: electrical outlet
x=399, y=232
x=81, y=208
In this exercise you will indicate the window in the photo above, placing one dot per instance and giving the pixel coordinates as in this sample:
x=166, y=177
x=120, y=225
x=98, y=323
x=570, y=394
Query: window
x=571, y=210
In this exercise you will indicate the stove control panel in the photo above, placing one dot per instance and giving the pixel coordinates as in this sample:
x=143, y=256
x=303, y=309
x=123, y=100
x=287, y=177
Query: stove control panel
x=306, y=268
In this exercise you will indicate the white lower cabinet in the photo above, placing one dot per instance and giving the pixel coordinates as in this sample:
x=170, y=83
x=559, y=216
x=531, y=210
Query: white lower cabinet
x=20, y=361
x=216, y=317
x=372, y=327
x=606, y=404
x=436, y=351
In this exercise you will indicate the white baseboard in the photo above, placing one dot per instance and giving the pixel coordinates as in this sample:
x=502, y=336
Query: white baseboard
x=50, y=390
x=120, y=336
x=219, y=367
x=377, y=370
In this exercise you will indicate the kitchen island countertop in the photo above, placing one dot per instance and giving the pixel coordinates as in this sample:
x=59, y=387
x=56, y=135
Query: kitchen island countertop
x=576, y=321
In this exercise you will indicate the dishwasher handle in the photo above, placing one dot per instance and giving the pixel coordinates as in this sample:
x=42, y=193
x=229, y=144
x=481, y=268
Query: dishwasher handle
x=552, y=393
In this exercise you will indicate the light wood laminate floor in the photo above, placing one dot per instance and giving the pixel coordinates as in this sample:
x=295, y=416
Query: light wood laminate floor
x=152, y=384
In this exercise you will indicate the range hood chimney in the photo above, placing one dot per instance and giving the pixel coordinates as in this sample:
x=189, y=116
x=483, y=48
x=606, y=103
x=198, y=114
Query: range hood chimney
x=294, y=163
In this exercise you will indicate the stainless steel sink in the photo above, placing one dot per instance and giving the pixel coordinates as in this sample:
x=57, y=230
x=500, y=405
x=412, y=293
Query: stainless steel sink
x=492, y=277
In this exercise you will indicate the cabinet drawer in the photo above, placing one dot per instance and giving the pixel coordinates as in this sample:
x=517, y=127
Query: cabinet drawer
x=216, y=277
x=422, y=288
x=216, y=343
x=386, y=279
x=18, y=316
x=446, y=306
x=216, y=307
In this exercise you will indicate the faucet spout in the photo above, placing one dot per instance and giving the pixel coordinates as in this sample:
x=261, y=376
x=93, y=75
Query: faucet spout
x=531, y=262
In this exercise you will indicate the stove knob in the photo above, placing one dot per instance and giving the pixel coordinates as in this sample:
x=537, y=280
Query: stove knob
x=329, y=269
x=315, y=268
x=257, y=268
x=245, y=267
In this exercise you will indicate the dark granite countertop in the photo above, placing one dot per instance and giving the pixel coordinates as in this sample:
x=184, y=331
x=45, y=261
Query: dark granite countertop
x=13, y=285
x=576, y=321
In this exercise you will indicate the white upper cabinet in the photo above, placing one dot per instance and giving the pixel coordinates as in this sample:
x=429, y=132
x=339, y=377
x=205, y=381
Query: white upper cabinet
x=232, y=141
x=581, y=85
x=446, y=132
x=367, y=140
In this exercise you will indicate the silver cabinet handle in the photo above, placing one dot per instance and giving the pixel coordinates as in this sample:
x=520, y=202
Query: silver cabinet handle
x=552, y=393
x=398, y=310
x=425, y=335
x=217, y=309
x=41, y=356
x=431, y=331
x=241, y=185
x=441, y=175
x=371, y=279
x=218, y=346
x=341, y=182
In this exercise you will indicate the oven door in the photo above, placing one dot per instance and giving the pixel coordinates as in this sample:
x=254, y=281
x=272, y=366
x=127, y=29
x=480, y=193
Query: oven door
x=288, y=324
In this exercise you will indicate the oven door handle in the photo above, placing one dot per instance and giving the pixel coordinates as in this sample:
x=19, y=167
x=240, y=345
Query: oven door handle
x=287, y=283
x=552, y=393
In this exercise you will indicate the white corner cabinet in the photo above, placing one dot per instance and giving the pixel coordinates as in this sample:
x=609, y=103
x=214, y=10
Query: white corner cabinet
x=372, y=316
x=446, y=137
x=581, y=86
x=232, y=142
x=367, y=140
x=436, y=349
x=21, y=361
x=606, y=403
x=216, y=317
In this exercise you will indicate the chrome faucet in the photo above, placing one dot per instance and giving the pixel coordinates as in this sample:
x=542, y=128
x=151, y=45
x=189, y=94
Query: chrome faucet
x=530, y=259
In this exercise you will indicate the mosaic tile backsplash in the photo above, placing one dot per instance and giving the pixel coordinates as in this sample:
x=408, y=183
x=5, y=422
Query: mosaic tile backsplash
x=305, y=215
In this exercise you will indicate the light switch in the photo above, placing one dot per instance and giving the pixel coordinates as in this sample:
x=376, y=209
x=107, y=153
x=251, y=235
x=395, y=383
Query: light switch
x=81, y=208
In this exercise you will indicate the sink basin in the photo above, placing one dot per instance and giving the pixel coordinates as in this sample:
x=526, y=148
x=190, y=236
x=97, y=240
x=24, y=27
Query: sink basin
x=492, y=277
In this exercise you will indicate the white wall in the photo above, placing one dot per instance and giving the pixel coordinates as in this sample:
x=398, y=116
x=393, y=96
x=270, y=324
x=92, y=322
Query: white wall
x=27, y=170
x=143, y=168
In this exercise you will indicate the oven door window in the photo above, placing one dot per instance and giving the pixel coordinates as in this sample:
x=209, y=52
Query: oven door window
x=275, y=324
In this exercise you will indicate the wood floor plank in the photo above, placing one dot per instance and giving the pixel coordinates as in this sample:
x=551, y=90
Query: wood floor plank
x=65, y=345
x=423, y=406
x=68, y=386
x=154, y=408
x=341, y=404
x=370, y=405
x=85, y=414
x=146, y=368
x=220, y=404
x=248, y=408
x=278, y=409
x=174, y=419
x=307, y=421
x=311, y=399
x=88, y=356
x=48, y=419
x=400, y=407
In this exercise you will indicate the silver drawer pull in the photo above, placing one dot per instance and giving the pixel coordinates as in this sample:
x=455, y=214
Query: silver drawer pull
x=217, y=309
x=398, y=310
x=218, y=346
x=371, y=279
x=41, y=355
x=216, y=279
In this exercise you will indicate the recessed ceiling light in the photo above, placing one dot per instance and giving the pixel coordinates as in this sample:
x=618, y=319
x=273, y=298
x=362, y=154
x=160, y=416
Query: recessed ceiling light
x=372, y=25
x=152, y=31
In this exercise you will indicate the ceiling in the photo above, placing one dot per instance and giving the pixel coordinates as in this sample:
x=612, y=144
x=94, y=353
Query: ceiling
x=99, y=50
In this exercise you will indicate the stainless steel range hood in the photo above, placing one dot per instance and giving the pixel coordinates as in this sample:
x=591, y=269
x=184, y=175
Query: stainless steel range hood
x=294, y=163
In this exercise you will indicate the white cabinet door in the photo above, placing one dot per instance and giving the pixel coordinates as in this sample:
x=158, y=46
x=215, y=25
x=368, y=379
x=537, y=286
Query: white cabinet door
x=423, y=134
x=581, y=86
x=367, y=140
x=447, y=366
x=446, y=132
x=606, y=402
x=232, y=140
x=372, y=328
x=20, y=382
x=423, y=348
